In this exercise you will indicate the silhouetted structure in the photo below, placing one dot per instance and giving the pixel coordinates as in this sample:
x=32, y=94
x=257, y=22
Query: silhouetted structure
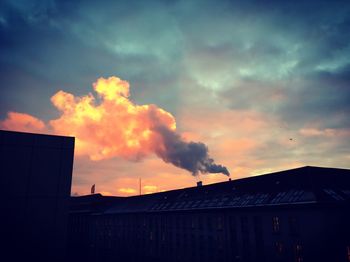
x=36, y=172
x=297, y=215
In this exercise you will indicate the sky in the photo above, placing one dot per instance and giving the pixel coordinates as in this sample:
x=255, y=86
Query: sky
x=249, y=87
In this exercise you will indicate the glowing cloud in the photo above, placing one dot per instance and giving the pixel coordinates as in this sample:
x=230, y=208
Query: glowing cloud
x=22, y=122
x=127, y=190
x=116, y=127
x=148, y=189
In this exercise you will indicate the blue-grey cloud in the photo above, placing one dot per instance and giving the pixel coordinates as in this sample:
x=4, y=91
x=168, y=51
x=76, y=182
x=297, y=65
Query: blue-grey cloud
x=287, y=60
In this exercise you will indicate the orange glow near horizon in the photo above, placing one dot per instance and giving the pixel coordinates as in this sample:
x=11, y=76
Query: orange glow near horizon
x=109, y=127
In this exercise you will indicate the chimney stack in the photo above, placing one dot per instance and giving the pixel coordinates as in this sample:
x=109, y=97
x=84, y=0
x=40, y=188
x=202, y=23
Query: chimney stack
x=199, y=183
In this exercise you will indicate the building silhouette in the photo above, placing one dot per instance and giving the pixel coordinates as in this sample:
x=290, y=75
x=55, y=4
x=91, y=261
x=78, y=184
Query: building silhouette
x=297, y=215
x=36, y=172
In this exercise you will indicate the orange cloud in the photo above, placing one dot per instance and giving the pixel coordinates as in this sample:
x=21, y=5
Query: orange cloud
x=115, y=127
x=106, y=193
x=127, y=191
x=22, y=122
x=148, y=189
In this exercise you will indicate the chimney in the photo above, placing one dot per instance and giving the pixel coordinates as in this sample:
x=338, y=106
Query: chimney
x=199, y=183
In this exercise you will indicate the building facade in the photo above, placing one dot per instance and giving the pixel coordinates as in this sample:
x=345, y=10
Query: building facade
x=36, y=173
x=295, y=215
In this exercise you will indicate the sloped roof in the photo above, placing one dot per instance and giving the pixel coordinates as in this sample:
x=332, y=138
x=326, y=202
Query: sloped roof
x=296, y=186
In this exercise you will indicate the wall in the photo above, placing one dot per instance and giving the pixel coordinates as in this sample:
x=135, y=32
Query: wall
x=36, y=172
x=239, y=235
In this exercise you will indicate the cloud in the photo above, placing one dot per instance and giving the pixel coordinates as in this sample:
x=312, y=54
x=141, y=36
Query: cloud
x=116, y=127
x=148, y=189
x=22, y=122
x=127, y=191
x=275, y=68
x=328, y=132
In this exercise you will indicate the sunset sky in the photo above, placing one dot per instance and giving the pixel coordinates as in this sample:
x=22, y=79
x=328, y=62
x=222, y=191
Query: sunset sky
x=265, y=85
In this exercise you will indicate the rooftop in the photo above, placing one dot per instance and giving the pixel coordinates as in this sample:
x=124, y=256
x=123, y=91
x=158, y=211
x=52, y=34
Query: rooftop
x=305, y=185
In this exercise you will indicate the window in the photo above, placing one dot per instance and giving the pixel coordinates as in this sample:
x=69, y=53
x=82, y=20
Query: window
x=278, y=198
x=193, y=223
x=209, y=223
x=275, y=224
x=233, y=229
x=200, y=222
x=348, y=252
x=333, y=194
x=244, y=226
x=219, y=225
x=298, y=249
x=245, y=238
x=261, y=198
x=279, y=247
x=259, y=239
x=293, y=226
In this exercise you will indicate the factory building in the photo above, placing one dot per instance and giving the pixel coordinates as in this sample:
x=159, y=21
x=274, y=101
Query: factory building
x=297, y=215
x=36, y=174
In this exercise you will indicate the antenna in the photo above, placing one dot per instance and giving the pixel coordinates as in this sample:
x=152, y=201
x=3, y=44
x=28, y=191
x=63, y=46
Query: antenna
x=140, y=186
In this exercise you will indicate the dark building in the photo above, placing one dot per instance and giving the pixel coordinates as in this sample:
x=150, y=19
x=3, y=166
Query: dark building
x=36, y=173
x=296, y=215
x=81, y=225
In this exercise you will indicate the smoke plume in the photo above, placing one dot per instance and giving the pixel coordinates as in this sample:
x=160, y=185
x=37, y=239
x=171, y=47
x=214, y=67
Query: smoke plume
x=116, y=127
x=191, y=156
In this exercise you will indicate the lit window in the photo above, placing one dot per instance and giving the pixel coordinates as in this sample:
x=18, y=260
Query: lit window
x=298, y=253
x=275, y=224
